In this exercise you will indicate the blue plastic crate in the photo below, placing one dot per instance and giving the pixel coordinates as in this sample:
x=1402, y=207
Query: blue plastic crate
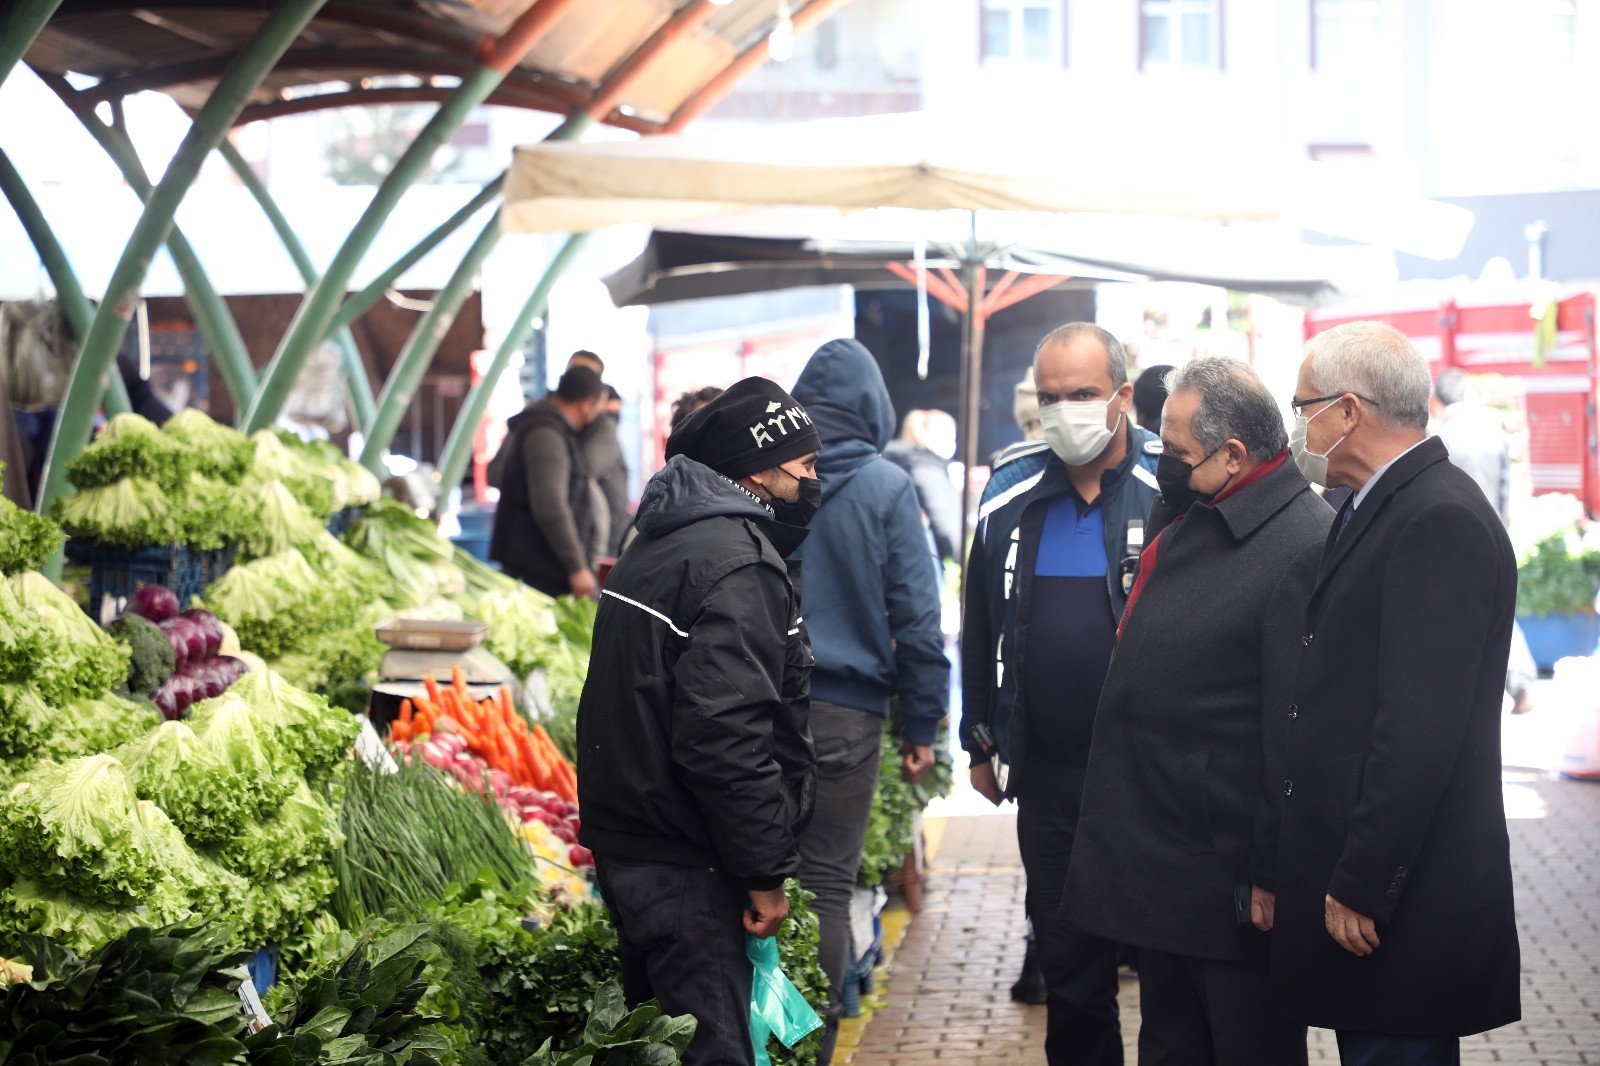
x=115, y=574
x=343, y=520
x=217, y=562
x=263, y=968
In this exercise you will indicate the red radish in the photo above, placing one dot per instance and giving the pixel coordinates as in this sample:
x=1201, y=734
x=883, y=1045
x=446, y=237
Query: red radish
x=565, y=835
x=580, y=856
x=154, y=602
x=569, y=809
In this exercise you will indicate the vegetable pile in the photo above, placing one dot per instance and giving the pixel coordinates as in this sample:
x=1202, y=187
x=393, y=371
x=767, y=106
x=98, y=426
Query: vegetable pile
x=26, y=539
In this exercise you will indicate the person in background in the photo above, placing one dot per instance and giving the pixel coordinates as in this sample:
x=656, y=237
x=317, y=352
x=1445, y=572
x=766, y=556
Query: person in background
x=544, y=524
x=1059, y=532
x=872, y=609
x=696, y=772
x=1025, y=408
x=1394, y=920
x=602, y=451
x=1478, y=443
x=1149, y=394
x=1173, y=850
x=926, y=446
x=690, y=402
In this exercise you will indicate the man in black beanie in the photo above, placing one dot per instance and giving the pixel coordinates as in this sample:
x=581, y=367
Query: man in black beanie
x=696, y=772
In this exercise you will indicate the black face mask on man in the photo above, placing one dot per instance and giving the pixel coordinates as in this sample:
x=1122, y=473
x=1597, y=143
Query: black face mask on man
x=1172, y=475
x=801, y=511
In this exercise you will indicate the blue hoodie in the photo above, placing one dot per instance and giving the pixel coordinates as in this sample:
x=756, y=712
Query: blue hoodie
x=870, y=591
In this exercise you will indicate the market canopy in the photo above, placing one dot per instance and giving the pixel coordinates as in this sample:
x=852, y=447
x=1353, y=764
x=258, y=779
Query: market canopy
x=932, y=163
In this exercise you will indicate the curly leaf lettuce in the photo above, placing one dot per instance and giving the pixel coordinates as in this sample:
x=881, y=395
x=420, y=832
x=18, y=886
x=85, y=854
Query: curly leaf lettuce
x=22, y=637
x=202, y=795
x=131, y=512
x=26, y=539
x=25, y=720
x=261, y=757
x=275, y=603
x=93, y=726
x=79, y=825
x=213, y=513
x=284, y=524
x=220, y=451
x=131, y=446
x=305, y=830
x=82, y=660
x=320, y=734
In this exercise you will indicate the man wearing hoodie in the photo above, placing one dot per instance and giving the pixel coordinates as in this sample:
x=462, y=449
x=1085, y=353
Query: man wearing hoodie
x=872, y=608
x=695, y=767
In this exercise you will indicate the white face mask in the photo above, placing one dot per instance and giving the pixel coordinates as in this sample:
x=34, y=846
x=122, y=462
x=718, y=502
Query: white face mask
x=1312, y=465
x=1076, y=430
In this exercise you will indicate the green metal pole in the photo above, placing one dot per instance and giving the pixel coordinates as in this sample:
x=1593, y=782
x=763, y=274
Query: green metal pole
x=316, y=311
x=20, y=23
x=75, y=305
x=211, y=314
x=458, y=446
x=357, y=305
x=355, y=372
x=98, y=351
x=420, y=347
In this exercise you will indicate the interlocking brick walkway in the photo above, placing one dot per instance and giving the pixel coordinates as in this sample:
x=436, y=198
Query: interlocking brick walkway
x=948, y=985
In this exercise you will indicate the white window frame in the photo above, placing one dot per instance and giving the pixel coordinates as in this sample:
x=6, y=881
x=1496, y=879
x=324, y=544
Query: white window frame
x=1319, y=61
x=1055, y=9
x=1173, y=11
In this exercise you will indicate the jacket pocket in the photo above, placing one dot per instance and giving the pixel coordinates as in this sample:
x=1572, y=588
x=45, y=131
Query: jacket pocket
x=648, y=901
x=1197, y=805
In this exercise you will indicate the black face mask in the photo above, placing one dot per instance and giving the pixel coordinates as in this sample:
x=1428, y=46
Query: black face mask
x=1172, y=475
x=802, y=510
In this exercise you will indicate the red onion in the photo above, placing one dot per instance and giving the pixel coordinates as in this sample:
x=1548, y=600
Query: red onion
x=154, y=602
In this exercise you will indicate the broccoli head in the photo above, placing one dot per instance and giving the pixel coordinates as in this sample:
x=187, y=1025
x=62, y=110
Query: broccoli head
x=152, y=660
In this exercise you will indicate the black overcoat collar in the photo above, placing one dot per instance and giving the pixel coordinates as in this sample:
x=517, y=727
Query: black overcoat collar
x=1250, y=508
x=1403, y=472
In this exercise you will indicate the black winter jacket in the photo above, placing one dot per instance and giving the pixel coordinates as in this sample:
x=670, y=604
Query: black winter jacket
x=544, y=523
x=693, y=743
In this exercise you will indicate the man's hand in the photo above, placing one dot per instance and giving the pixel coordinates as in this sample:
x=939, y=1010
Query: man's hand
x=915, y=760
x=1261, y=904
x=584, y=586
x=766, y=912
x=1356, y=933
x=983, y=780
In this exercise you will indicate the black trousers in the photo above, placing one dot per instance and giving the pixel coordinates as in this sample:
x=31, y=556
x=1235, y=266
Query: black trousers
x=848, y=742
x=1201, y=1012
x=680, y=932
x=1080, y=969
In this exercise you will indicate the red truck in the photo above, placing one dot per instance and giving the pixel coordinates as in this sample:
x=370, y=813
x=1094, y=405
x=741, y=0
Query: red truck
x=1494, y=331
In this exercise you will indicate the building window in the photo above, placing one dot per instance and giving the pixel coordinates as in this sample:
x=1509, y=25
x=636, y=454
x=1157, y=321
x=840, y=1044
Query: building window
x=1345, y=34
x=1021, y=31
x=1181, y=33
x=828, y=45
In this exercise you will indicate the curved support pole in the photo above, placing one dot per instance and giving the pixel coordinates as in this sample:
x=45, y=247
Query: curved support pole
x=21, y=21
x=355, y=371
x=458, y=446
x=211, y=314
x=98, y=351
x=357, y=305
x=75, y=306
x=315, y=316
x=421, y=346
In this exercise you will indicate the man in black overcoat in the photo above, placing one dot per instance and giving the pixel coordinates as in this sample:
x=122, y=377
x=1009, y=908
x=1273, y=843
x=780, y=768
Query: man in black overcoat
x=1394, y=920
x=1174, y=817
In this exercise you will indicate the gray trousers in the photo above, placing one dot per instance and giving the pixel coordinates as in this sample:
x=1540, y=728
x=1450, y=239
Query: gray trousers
x=848, y=743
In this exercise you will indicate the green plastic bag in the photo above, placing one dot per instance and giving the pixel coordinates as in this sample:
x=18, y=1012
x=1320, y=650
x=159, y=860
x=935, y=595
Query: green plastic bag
x=776, y=1006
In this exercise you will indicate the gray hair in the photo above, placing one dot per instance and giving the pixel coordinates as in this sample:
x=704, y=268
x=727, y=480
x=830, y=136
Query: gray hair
x=1234, y=405
x=1378, y=364
x=1116, y=354
x=1451, y=386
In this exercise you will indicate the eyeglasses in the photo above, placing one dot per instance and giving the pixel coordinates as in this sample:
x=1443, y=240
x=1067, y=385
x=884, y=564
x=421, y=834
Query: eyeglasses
x=1300, y=405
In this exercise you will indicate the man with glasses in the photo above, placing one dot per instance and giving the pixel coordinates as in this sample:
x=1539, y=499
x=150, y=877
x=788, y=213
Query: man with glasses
x=1393, y=921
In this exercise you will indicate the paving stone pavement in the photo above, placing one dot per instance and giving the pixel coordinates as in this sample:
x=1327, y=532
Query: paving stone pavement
x=948, y=982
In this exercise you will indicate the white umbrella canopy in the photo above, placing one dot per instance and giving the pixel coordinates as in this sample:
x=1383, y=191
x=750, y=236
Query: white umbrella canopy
x=921, y=162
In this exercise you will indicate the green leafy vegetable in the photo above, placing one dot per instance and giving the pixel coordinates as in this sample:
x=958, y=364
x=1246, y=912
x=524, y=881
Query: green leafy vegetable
x=25, y=720
x=283, y=457
x=220, y=451
x=616, y=1036
x=26, y=539
x=81, y=660
x=92, y=726
x=132, y=512
x=320, y=735
x=131, y=446
x=80, y=826
x=272, y=910
x=260, y=756
x=22, y=636
x=283, y=523
x=28, y=907
x=213, y=514
x=304, y=831
x=409, y=548
x=276, y=603
x=150, y=656
x=203, y=796
x=797, y=953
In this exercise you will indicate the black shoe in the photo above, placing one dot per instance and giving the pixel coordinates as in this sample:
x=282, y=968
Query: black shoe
x=1030, y=986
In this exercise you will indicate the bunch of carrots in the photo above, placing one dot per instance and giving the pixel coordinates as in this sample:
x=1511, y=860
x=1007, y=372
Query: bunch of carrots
x=492, y=730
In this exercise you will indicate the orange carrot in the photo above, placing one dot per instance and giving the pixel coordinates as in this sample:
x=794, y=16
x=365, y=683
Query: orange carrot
x=433, y=689
x=458, y=681
x=405, y=711
x=399, y=729
x=506, y=706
